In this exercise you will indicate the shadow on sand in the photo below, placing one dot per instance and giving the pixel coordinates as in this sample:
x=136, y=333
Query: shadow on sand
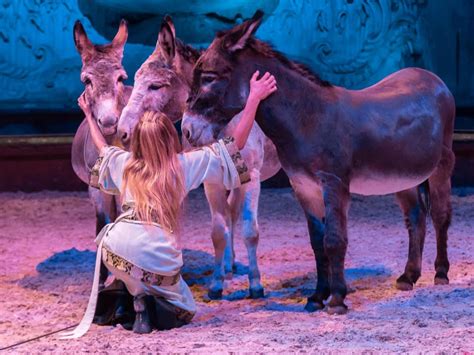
x=61, y=270
x=290, y=295
x=74, y=268
x=199, y=266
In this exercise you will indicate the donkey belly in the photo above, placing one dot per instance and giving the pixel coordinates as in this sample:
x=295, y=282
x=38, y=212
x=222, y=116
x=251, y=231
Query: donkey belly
x=381, y=184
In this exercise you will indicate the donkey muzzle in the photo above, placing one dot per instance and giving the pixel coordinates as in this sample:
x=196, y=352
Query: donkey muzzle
x=108, y=125
x=192, y=129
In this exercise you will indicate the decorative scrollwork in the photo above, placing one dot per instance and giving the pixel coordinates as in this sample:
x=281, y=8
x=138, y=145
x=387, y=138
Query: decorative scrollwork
x=32, y=59
x=350, y=43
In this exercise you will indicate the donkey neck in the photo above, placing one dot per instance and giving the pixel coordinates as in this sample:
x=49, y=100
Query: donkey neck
x=297, y=105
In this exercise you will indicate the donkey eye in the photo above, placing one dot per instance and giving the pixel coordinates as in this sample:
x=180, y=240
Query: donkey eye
x=87, y=81
x=207, y=78
x=121, y=79
x=155, y=87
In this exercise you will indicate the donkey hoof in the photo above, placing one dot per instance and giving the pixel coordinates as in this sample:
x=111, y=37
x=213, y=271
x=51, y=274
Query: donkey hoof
x=229, y=275
x=441, y=278
x=340, y=309
x=256, y=293
x=404, y=284
x=214, y=294
x=313, y=306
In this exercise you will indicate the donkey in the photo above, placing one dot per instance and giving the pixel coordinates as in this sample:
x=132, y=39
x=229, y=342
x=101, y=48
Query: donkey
x=389, y=138
x=103, y=76
x=162, y=83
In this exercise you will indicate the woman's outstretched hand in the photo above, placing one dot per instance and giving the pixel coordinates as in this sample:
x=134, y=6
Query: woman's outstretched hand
x=96, y=135
x=81, y=101
x=261, y=88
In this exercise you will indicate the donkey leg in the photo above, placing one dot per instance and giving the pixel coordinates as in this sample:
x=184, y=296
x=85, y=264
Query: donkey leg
x=250, y=233
x=415, y=221
x=440, y=195
x=221, y=234
x=311, y=200
x=235, y=204
x=336, y=202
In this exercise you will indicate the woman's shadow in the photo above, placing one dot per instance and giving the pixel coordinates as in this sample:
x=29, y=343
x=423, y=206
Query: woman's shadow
x=72, y=267
x=62, y=272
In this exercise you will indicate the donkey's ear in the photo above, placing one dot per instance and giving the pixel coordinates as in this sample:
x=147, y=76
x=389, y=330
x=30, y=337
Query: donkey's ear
x=83, y=45
x=166, y=43
x=121, y=37
x=170, y=23
x=237, y=38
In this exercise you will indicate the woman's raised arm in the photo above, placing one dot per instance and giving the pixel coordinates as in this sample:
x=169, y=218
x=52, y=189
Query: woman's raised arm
x=260, y=89
x=96, y=135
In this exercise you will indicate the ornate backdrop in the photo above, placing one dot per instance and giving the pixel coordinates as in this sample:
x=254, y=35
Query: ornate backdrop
x=352, y=43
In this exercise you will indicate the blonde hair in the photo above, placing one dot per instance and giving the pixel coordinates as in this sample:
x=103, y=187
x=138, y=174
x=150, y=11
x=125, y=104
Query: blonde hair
x=153, y=174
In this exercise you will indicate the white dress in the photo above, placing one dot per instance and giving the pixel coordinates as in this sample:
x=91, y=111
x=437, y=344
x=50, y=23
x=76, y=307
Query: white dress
x=146, y=257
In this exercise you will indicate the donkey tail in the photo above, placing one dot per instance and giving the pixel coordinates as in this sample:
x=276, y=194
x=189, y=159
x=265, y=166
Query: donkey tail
x=424, y=196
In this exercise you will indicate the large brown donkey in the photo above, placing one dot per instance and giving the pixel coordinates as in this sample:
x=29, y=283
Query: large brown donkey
x=162, y=84
x=393, y=137
x=103, y=75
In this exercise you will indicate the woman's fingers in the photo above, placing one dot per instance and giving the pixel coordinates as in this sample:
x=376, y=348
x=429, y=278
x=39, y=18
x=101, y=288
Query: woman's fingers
x=255, y=75
x=271, y=82
x=265, y=77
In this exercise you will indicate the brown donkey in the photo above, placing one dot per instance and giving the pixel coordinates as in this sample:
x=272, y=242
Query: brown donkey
x=393, y=137
x=103, y=75
x=162, y=84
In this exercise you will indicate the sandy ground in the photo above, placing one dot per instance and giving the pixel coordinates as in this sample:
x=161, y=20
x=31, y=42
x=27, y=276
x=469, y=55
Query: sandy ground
x=47, y=256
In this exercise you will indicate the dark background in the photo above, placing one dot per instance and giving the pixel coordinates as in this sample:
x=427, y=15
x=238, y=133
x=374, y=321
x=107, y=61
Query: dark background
x=352, y=43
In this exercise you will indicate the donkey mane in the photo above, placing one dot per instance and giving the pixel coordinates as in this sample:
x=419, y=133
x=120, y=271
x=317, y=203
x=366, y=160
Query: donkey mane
x=267, y=50
x=189, y=53
x=103, y=48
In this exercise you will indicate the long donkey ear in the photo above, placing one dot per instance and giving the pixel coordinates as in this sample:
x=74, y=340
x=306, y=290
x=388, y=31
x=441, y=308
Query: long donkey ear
x=166, y=43
x=237, y=38
x=83, y=45
x=118, y=43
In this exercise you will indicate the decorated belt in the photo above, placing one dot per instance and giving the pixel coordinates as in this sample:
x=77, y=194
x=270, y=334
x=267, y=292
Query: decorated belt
x=137, y=272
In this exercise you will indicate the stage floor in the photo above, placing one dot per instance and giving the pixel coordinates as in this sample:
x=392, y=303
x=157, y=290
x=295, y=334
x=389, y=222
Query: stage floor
x=47, y=257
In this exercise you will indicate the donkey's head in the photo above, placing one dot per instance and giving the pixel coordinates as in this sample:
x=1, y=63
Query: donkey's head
x=162, y=83
x=220, y=83
x=103, y=76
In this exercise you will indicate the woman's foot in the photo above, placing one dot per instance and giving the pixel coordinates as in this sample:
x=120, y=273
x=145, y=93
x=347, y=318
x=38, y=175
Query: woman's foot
x=142, y=323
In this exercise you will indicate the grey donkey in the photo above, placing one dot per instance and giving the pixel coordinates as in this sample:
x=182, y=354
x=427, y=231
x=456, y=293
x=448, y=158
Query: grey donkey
x=103, y=76
x=163, y=84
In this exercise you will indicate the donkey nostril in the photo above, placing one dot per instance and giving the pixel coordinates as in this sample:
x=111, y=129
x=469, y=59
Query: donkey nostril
x=124, y=136
x=187, y=134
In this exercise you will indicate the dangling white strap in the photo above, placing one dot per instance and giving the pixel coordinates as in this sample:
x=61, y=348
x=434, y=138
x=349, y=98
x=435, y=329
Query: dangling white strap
x=88, y=317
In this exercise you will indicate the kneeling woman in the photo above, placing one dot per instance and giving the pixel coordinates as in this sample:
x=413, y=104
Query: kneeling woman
x=140, y=247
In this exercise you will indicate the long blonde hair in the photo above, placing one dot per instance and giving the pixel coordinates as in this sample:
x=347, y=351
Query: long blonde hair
x=153, y=174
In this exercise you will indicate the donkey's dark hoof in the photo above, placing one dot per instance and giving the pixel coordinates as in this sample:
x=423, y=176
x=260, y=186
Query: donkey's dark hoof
x=256, y=293
x=142, y=324
x=404, y=284
x=313, y=306
x=441, y=278
x=340, y=309
x=214, y=294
